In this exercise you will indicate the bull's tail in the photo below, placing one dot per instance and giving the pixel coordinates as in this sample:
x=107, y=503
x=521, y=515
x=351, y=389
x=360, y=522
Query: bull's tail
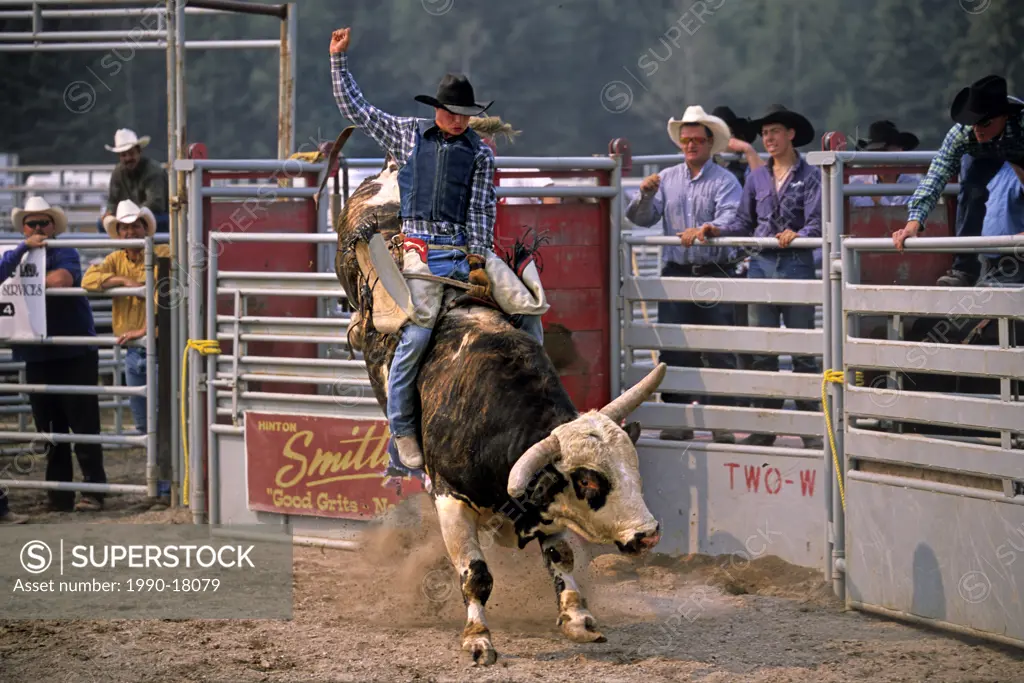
x=524, y=247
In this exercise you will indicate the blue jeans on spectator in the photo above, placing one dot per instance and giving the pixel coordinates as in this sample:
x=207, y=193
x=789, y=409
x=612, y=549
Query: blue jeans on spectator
x=403, y=398
x=135, y=376
x=783, y=264
x=690, y=313
x=975, y=175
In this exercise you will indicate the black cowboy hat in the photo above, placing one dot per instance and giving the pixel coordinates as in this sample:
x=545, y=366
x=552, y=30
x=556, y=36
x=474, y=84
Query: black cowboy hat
x=790, y=119
x=982, y=100
x=455, y=95
x=740, y=128
x=884, y=133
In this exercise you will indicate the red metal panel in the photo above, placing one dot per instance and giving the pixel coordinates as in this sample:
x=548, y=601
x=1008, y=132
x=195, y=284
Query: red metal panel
x=911, y=269
x=575, y=274
x=254, y=215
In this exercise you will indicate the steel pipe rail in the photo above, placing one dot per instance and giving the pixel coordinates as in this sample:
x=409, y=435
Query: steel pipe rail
x=766, y=242
x=96, y=13
x=254, y=165
x=295, y=238
x=853, y=159
x=77, y=389
x=104, y=438
x=601, y=191
x=1012, y=243
x=104, y=47
x=262, y=320
x=258, y=192
x=336, y=293
x=43, y=36
x=892, y=189
x=72, y=486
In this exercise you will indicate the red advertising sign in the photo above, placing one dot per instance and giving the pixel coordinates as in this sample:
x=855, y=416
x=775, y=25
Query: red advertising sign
x=320, y=466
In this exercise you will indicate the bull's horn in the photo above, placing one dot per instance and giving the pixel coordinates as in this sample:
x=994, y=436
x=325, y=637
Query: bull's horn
x=537, y=457
x=618, y=409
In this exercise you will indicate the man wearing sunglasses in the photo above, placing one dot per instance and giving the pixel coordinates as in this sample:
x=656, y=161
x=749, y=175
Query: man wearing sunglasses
x=988, y=132
x=60, y=364
x=684, y=197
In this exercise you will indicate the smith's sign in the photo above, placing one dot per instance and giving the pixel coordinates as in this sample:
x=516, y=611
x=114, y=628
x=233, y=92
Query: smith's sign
x=319, y=466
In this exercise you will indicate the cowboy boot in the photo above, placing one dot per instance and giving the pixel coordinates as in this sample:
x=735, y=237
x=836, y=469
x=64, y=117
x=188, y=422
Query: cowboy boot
x=409, y=452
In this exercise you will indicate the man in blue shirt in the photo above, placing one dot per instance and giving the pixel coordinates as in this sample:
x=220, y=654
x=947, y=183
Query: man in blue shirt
x=782, y=199
x=60, y=364
x=685, y=196
x=1004, y=216
x=988, y=130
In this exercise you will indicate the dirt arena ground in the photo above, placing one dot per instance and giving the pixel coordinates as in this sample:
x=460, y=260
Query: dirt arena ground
x=392, y=613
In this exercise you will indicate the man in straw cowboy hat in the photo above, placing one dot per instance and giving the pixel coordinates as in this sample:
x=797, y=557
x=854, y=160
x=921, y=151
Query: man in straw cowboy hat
x=782, y=200
x=988, y=131
x=127, y=268
x=883, y=136
x=136, y=177
x=684, y=197
x=447, y=220
x=60, y=364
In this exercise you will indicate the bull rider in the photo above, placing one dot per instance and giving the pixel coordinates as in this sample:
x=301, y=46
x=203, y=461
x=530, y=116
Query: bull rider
x=448, y=209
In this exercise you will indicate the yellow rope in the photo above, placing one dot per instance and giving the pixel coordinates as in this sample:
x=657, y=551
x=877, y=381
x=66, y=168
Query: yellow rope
x=205, y=347
x=836, y=377
x=643, y=304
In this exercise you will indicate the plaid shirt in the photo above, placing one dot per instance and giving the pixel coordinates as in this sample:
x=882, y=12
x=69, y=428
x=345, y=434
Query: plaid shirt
x=397, y=136
x=960, y=140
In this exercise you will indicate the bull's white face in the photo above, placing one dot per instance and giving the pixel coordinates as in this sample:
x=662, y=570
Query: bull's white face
x=603, y=501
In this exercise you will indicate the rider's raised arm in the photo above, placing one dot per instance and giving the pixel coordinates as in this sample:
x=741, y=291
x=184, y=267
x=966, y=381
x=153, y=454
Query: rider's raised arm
x=483, y=204
x=396, y=134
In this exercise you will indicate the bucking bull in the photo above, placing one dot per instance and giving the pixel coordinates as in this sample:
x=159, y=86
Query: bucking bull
x=503, y=445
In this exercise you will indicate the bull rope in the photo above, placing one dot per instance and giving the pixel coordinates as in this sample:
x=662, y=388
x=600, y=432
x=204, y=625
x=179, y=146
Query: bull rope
x=205, y=347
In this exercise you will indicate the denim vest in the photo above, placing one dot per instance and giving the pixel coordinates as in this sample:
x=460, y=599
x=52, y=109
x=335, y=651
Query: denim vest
x=436, y=181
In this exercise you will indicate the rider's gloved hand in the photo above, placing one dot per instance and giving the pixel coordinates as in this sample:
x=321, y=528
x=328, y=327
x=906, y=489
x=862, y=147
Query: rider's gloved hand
x=478, y=277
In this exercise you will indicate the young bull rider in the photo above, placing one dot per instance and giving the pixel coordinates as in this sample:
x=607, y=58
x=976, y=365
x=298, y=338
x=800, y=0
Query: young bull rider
x=448, y=207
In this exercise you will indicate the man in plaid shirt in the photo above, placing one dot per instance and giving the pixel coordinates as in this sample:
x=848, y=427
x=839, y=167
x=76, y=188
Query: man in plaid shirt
x=448, y=207
x=988, y=131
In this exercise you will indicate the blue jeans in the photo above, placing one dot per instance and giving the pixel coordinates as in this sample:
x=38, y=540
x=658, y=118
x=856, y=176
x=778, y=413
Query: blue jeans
x=689, y=313
x=779, y=264
x=975, y=175
x=135, y=376
x=403, y=399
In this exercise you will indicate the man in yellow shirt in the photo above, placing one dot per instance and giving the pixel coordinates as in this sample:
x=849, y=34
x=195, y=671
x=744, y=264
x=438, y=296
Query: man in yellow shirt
x=127, y=268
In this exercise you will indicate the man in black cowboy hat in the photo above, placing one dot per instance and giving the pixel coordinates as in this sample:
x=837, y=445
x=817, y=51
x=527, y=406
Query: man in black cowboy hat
x=988, y=131
x=448, y=221
x=782, y=199
x=883, y=136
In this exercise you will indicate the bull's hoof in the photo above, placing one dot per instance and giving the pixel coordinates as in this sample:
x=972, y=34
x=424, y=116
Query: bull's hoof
x=480, y=650
x=581, y=627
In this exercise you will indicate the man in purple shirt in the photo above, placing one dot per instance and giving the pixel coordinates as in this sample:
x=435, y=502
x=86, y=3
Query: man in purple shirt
x=782, y=199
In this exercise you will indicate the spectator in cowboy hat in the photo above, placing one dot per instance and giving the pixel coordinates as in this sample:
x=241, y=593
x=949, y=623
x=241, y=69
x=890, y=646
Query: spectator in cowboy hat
x=883, y=136
x=137, y=177
x=782, y=199
x=126, y=268
x=683, y=197
x=743, y=133
x=988, y=131
x=60, y=364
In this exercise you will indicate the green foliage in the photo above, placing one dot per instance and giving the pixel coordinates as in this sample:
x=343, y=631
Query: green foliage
x=842, y=63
